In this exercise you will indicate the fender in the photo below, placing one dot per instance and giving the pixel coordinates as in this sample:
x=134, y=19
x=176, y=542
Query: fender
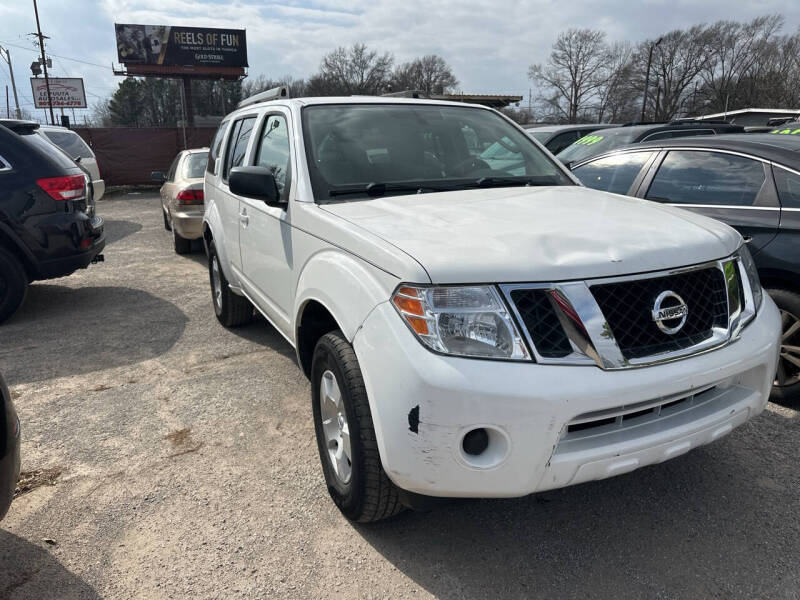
x=6, y=233
x=348, y=287
x=212, y=222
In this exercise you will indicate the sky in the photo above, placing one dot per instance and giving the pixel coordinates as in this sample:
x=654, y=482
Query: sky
x=489, y=44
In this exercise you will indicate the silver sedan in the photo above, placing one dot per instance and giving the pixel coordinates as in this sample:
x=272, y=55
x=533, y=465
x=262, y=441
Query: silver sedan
x=182, y=199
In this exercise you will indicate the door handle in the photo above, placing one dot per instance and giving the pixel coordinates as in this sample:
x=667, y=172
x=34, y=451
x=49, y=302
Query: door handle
x=244, y=219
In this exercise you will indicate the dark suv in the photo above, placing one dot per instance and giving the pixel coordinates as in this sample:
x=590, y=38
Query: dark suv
x=605, y=140
x=47, y=228
x=749, y=181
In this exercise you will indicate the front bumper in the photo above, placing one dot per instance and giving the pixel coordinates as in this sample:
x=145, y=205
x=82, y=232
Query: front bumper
x=423, y=404
x=188, y=223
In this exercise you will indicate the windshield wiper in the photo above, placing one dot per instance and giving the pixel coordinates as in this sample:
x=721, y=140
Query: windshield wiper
x=379, y=189
x=509, y=181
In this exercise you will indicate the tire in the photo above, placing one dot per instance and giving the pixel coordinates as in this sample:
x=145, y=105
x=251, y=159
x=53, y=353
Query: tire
x=167, y=226
x=365, y=493
x=181, y=244
x=788, y=393
x=13, y=284
x=231, y=309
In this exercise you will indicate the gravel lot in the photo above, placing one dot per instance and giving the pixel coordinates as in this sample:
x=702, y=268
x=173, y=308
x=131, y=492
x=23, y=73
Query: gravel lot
x=189, y=470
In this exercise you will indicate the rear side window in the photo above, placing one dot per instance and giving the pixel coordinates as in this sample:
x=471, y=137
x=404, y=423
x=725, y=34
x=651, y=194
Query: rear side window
x=173, y=168
x=237, y=144
x=51, y=150
x=788, y=184
x=194, y=165
x=711, y=178
x=562, y=140
x=613, y=173
x=216, y=145
x=71, y=143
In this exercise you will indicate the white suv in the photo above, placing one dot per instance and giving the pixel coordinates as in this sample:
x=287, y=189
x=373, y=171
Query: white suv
x=472, y=326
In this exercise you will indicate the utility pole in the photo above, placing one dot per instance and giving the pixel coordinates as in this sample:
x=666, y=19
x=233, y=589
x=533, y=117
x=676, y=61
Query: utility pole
x=42, y=38
x=8, y=106
x=13, y=84
x=647, y=74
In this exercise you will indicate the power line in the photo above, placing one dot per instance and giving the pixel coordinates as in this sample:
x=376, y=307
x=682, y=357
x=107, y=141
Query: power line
x=85, y=62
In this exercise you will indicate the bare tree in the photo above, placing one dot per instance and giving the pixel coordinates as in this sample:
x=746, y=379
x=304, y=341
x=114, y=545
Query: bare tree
x=430, y=74
x=355, y=70
x=616, y=94
x=737, y=52
x=677, y=62
x=573, y=73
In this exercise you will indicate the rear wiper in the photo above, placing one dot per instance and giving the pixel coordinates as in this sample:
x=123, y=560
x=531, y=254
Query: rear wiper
x=379, y=189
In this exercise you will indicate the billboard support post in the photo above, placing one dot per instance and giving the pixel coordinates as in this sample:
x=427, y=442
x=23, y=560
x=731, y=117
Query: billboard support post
x=188, y=104
x=44, y=62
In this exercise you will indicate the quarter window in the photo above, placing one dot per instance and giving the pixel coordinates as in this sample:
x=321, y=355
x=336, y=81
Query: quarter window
x=173, y=168
x=273, y=153
x=613, y=173
x=216, y=145
x=788, y=184
x=712, y=178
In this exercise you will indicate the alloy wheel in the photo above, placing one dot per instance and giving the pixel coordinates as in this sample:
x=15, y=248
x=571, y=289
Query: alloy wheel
x=216, y=283
x=789, y=361
x=335, y=427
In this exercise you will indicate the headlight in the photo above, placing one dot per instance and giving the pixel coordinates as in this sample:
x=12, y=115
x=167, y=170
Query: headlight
x=463, y=321
x=752, y=275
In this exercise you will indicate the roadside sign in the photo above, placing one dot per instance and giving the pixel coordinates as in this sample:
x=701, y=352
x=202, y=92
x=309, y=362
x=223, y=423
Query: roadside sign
x=65, y=92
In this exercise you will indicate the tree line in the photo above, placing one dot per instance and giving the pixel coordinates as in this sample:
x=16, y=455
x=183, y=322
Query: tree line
x=703, y=69
x=357, y=70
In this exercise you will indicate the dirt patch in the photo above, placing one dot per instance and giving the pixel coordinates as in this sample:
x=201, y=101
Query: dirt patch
x=30, y=480
x=181, y=440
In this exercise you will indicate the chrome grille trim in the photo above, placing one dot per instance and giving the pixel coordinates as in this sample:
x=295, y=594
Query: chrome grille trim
x=591, y=337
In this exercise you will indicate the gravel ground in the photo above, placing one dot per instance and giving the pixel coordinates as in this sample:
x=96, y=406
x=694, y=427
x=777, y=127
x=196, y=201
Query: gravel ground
x=188, y=469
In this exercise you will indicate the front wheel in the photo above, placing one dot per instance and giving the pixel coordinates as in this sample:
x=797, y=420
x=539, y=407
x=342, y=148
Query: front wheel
x=231, y=309
x=345, y=434
x=787, y=380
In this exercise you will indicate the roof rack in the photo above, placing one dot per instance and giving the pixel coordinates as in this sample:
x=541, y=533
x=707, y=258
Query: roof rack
x=406, y=94
x=634, y=123
x=273, y=94
x=691, y=121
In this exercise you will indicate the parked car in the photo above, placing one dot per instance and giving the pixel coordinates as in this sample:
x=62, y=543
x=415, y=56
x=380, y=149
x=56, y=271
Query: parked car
x=557, y=137
x=469, y=332
x=71, y=143
x=182, y=197
x=788, y=128
x=74, y=145
x=605, y=140
x=46, y=230
x=9, y=448
x=749, y=181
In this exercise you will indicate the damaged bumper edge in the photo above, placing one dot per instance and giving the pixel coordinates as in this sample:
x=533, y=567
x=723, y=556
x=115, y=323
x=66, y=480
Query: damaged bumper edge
x=536, y=416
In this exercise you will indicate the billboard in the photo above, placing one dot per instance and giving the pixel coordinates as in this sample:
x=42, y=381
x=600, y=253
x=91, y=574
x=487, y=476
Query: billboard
x=166, y=46
x=65, y=92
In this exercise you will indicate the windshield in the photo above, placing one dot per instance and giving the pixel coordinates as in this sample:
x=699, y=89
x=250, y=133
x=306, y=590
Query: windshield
x=596, y=143
x=403, y=146
x=195, y=165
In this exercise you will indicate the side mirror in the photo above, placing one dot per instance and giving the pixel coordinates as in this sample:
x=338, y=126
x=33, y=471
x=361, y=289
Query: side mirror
x=254, y=182
x=158, y=176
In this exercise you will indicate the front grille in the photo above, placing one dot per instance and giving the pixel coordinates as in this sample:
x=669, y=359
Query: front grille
x=540, y=320
x=627, y=307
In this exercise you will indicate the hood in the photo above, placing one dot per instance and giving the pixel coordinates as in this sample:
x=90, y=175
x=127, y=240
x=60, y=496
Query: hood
x=538, y=233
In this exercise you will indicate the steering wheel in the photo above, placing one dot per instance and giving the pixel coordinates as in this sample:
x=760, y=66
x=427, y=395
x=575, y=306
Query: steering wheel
x=468, y=165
